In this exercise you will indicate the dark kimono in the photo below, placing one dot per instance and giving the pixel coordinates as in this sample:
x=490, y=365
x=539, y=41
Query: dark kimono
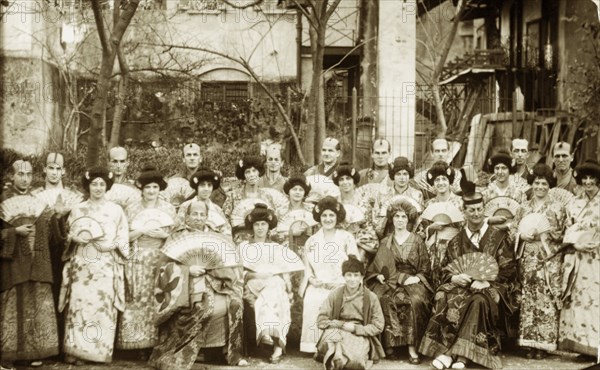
x=191, y=329
x=406, y=308
x=468, y=323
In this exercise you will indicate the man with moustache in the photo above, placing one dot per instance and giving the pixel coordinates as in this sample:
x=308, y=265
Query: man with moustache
x=378, y=172
x=331, y=152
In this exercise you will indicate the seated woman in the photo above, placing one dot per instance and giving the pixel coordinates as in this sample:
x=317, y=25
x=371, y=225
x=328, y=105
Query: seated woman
x=399, y=276
x=214, y=318
x=267, y=294
x=324, y=253
x=351, y=319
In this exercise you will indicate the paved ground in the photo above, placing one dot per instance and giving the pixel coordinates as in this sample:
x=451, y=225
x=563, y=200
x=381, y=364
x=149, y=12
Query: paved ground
x=298, y=361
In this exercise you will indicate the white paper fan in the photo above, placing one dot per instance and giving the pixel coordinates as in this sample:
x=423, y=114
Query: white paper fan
x=444, y=212
x=206, y=249
x=280, y=201
x=353, y=214
x=298, y=215
x=321, y=186
x=86, y=227
x=177, y=191
x=398, y=198
x=241, y=210
x=501, y=206
x=123, y=194
x=561, y=195
x=273, y=258
x=534, y=223
x=151, y=218
x=21, y=206
x=68, y=197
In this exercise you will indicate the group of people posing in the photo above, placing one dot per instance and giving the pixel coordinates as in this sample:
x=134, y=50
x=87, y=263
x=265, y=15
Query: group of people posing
x=389, y=258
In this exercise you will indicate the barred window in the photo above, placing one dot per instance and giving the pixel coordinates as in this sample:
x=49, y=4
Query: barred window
x=224, y=91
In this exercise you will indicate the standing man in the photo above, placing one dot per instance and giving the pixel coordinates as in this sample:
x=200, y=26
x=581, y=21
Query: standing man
x=563, y=172
x=273, y=177
x=379, y=171
x=27, y=311
x=118, y=164
x=520, y=152
x=331, y=152
x=54, y=171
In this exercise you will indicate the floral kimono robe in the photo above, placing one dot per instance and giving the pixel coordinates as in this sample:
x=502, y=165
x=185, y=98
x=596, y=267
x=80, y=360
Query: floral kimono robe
x=579, y=319
x=406, y=307
x=539, y=270
x=323, y=261
x=363, y=229
x=27, y=308
x=136, y=324
x=93, y=288
x=468, y=323
x=514, y=191
x=341, y=349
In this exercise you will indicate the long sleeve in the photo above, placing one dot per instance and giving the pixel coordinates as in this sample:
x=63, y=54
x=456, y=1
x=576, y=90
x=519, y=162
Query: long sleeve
x=325, y=313
x=376, y=323
x=9, y=241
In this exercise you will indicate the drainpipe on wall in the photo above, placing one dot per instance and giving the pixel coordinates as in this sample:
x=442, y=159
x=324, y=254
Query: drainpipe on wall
x=299, y=48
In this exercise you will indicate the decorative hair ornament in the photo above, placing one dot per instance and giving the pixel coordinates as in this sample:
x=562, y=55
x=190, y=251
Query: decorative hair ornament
x=513, y=162
x=489, y=161
x=317, y=209
x=574, y=173
x=429, y=175
x=353, y=171
x=335, y=174
x=138, y=184
x=337, y=207
x=110, y=175
x=270, y=217
x=216, y=178
x=241, y=163
x=448, y=171
x=195, y=180
x=531, y=171
x=87, y=175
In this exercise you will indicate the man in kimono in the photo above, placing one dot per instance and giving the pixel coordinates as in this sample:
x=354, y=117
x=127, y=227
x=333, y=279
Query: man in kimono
x=351, y=319
x=562, y=158
x=273, y=178
x=27, y=311
x=519, y=150
x=331, y=152
x=118, y=162
x=378, y=172
x=469, y=314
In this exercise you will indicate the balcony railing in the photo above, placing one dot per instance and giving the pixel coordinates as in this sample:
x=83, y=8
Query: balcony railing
x=480, y=58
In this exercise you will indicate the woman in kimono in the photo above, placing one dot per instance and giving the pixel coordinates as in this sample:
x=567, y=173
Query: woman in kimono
x=540, y=267
x=437, y=234
x=579, y=326
x=213, y=318
x=351, y=319
x=93, y=288
x=136, y=328
x=324, y=253
x=267, y=294
x=399, y=276
x=503, y=165
x=204, y=182
x=248, y=170
x=359, y=224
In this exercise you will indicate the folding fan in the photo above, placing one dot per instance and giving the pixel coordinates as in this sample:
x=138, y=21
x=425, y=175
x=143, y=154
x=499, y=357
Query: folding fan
x=123, y=194
x=478, y=265
x=241, y=210
x=177, y=191
x=501, y=206
x=561, y=195
x=534, y=223
x=321, y=186
x=298, y=215
x=444, y=212
x=206, y=249
x=151, y=218
x=171, y=291
x=21, y=206
x=371, y=192
x=397, y=199
x=87, y=228
x=353, y=214
x=270, y=257
x=280, y=201
x=66, y=197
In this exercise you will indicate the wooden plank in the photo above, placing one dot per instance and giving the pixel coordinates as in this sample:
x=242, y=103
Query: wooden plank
x=553, y=140
x=481, y=155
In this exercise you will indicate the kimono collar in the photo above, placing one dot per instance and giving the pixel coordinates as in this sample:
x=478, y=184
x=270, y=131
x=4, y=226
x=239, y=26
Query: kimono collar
x=481, y=232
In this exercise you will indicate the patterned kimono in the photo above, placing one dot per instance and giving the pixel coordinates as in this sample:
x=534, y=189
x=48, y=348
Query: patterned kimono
x=467, y=323
x=340, y=348
x=264, y=182
x=540, y=278
x=93, y=287
x=233, y=199
x=189, y=330
x=579, y=323
x=136, y=324
x=438, y=242
x=514, y=191
x=379, y=218
x=406, y=308
x=320, y=170
x=363, y=231
x=27, y=311
x=323, y=260
x=373, y=176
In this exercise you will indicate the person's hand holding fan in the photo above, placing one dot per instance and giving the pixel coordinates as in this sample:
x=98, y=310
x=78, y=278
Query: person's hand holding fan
x=477, y=265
